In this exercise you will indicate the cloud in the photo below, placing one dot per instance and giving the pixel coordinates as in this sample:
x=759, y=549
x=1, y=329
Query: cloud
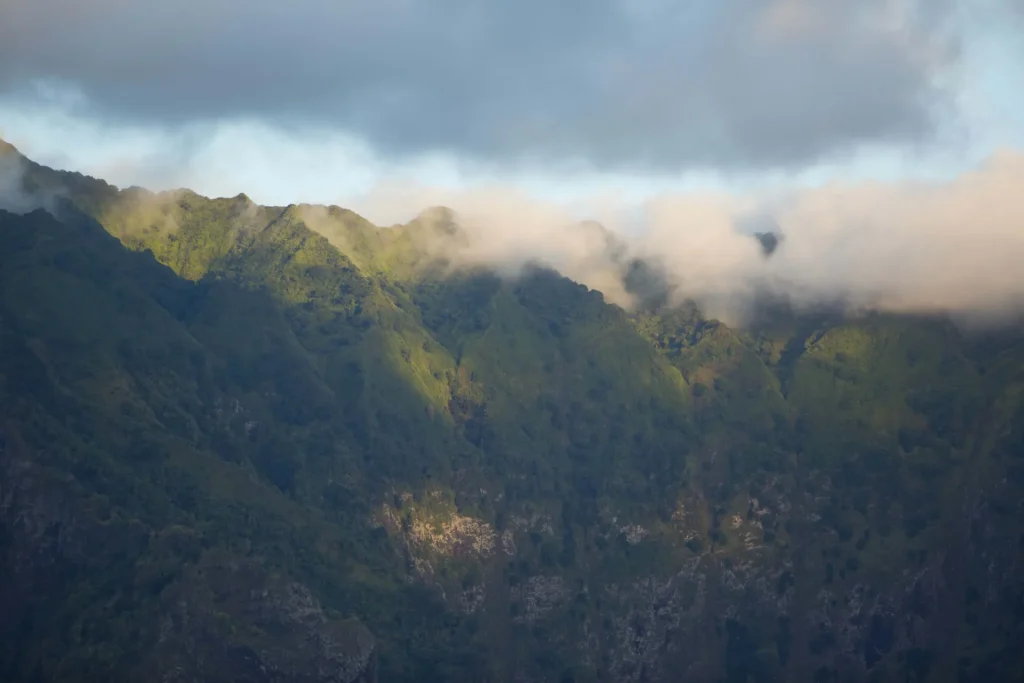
x=496, y=227
x=606, y=84
x=952, y=247
x=937, y=247
x=949, y=247
x=12, y=194
x=17, y=196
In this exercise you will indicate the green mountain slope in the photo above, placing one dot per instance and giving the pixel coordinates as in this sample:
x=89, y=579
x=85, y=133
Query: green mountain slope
x=282, y=444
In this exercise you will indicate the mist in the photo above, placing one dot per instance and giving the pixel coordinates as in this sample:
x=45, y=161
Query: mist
x=13, y=197
x=951, y=248
x=16, y=195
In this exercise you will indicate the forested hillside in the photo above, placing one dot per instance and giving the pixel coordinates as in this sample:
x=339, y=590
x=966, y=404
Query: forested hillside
x=233, y=447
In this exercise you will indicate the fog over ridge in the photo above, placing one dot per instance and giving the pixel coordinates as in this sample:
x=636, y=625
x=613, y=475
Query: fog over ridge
x=940, y=247
x=943, y=247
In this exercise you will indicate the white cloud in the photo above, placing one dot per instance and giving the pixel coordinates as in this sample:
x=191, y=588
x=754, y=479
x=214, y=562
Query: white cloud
x=942, y=247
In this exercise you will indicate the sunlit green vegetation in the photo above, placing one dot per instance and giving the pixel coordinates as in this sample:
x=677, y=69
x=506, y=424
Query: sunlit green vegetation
x=196, y=382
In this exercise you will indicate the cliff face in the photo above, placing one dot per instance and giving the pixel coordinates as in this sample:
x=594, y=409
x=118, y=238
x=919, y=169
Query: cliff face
x=232, y=449
x=227, y=618
x=223, y=617
x=892, y=599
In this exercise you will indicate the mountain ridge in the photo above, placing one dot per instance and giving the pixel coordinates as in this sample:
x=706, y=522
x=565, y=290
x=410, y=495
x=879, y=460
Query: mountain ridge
x=440, y=474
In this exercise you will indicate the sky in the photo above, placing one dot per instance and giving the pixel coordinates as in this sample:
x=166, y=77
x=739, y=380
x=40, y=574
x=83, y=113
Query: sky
x=744, y=112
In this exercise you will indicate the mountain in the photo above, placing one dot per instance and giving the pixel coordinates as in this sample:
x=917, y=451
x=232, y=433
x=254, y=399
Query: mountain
x=282, y=444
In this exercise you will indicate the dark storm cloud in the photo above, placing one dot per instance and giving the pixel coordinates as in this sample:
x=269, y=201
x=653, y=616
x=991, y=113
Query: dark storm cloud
x=618, y=84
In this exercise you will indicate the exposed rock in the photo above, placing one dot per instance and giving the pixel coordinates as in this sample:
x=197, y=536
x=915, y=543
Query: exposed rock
x=224, y=619
x=227, y=616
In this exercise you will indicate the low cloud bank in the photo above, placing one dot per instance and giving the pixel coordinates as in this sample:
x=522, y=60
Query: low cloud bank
x=18, y=194
x=13, y=197
x=953, y=247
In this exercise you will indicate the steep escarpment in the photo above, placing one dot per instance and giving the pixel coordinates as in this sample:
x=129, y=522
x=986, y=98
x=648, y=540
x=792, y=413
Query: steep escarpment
x=282, y=444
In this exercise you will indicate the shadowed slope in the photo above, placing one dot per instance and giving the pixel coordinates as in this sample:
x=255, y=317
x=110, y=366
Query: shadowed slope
x=500, y=479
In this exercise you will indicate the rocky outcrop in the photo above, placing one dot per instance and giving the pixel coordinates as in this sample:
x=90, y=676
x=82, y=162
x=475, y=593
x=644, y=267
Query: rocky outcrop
x=223, y=618
x=227, y=619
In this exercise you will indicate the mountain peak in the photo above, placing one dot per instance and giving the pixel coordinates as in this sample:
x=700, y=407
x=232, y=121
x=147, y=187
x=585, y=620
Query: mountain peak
x=296, y=451
x=769, y=242
x=440, y=214
x=439, y=218
x=7, y=148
